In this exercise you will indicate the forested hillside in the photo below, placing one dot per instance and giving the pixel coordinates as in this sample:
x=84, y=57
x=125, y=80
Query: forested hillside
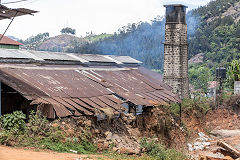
x=142, y=41
x=213, y=30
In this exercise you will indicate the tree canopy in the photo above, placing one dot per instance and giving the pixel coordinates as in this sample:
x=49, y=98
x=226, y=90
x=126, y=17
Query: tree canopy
x=68, y=30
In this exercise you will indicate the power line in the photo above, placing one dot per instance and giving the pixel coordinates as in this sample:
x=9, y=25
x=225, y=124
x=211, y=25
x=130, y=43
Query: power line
x=15, y=2
x=8, y=26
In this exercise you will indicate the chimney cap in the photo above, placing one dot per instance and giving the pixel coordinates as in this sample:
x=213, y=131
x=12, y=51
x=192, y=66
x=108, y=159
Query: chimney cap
x=175, y=5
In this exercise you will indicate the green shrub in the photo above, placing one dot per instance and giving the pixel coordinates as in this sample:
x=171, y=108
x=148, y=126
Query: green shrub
x=159, y=152
x=38, y=125
x=14, y=123
x=198, y=106
x=40, y=133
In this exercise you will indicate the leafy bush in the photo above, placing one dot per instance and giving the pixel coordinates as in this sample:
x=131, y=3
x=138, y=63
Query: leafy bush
x=199, y=106
x=159, y=152
x=14, y=122
x=38, y=125
x=153, y=149
x=40, y=133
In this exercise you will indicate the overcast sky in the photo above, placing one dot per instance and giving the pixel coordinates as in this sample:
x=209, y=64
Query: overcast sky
x=98, y=16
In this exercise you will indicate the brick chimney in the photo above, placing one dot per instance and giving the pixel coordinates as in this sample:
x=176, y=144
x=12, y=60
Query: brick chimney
x=176, y=50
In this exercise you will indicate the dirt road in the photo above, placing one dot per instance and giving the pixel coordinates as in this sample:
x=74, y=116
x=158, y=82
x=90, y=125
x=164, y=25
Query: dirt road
x=8, y=153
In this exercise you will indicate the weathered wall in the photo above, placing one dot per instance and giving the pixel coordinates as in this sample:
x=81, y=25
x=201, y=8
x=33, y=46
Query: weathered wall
x=176, y=58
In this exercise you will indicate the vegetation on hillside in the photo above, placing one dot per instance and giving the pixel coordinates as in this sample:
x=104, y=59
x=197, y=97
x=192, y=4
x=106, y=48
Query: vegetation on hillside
x=142, y=41
x=68, y=30
x=210, y=32
x=33, y=42
x=233, y=72
x=40, y=133
x=200, y=75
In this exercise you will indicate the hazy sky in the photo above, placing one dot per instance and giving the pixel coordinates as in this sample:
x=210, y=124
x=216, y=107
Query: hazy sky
x=99, y=16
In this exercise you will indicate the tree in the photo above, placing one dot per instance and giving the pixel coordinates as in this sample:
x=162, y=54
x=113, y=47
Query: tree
x=199, y=76
x=68, y=30
x=233, y=72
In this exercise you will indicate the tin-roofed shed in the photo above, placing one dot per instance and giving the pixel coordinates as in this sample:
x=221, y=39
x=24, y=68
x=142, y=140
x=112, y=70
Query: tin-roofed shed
x=62, y=85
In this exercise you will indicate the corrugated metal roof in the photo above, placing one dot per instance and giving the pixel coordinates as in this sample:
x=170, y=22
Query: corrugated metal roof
x=7, y=13
x=85, y=91
x=125, y=59
x=74, y=90
x=7, y=40
x=60, y=57
x=94, y=58
x=13, y=54
x=52, y=56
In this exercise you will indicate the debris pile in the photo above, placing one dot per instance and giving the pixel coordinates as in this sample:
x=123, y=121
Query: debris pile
x=201, y=143
x=123, y=134
x=224, y=152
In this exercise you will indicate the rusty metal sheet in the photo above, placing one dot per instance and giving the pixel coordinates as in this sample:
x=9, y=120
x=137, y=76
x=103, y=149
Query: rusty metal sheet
x=57, y=83
x=98, y=102
x=135, y=99
x=138, y=75
x=81, y=103
x=89, y=102
x=61, y=111
x=114, y=99
x=39, y=101
x=96, y=78
x=152, y=100
x=156, y=93
x=47, y=110
x=154, y=77
x=125, y=81
x=109, y=102
x=22, y=87
x=77, y=106
x=172, y=95
x=157, y=100
x=67, y=105
x=44, y=107
x=169, y=98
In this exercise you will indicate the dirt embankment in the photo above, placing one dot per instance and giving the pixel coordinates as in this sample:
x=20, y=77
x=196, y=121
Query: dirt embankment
x=221, y=125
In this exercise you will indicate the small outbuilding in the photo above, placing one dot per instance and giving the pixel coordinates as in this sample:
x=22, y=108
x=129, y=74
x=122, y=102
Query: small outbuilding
x=9, y=43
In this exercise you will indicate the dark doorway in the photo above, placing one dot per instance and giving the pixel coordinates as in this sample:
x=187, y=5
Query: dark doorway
x=11, y=100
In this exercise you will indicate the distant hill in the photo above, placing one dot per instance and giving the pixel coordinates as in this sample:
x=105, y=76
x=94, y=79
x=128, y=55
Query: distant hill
x=60, y=43
x=213, y=31
x=218, y=33
x=12, y=37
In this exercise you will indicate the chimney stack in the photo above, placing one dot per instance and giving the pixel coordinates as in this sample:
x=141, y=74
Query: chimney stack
x=176, y=50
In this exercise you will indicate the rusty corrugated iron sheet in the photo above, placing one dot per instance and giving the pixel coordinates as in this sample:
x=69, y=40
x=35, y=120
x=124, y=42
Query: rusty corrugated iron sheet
x=62, y=92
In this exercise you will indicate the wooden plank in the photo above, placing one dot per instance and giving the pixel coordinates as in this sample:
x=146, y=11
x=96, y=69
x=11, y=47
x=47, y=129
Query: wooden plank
x=229, y=148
